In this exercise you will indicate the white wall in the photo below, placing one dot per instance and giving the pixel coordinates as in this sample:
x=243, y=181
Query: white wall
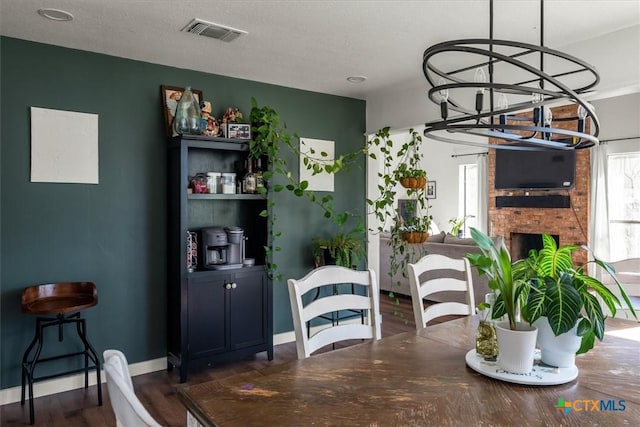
x=619, y=118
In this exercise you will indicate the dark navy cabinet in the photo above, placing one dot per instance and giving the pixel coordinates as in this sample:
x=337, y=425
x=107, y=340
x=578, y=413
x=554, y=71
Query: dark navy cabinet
x=214, y=315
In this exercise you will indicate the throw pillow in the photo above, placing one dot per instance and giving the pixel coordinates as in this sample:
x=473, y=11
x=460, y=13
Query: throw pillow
x=458, y=240
x=437, y=238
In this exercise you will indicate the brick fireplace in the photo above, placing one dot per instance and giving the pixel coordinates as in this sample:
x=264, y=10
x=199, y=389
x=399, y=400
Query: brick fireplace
x=569, y=225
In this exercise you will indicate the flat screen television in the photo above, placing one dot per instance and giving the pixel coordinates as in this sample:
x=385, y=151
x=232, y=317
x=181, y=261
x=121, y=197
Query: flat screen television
x=535, y=170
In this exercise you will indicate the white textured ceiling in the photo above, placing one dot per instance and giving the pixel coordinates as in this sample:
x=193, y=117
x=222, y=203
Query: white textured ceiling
x=307, y=44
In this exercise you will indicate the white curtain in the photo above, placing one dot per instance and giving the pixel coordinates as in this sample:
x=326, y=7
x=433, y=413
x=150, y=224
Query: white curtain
x=599, y=230
x=483, y=193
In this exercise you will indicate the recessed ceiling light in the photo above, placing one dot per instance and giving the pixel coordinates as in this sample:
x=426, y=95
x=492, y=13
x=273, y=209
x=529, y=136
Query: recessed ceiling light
x=55, y=14
x=356, y=79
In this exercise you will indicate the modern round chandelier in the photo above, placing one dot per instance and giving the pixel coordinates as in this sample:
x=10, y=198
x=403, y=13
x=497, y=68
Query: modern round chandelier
x=502, y=89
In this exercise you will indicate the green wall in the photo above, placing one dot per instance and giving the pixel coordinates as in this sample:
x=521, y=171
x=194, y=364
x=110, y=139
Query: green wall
x=114, y=233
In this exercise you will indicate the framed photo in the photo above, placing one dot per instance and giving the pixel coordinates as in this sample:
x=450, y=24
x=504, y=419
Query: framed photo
x=431, y=190
x=170, y=97
x=407, y=209
x=238, y=130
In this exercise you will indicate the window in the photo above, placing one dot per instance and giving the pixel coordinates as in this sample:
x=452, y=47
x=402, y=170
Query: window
x=624, y=205
x=468, y=196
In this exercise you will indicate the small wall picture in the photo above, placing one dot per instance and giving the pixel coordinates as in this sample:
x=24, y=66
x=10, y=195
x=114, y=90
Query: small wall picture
x=407, y=209
x=170, y=97
x=431, y=190
x=239, y=130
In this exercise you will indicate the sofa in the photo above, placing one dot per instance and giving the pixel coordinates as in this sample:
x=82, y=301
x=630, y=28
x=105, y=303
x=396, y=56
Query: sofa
x=443, y=244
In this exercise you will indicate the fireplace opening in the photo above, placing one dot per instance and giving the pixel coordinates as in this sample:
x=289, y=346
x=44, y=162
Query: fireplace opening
x=522, y=243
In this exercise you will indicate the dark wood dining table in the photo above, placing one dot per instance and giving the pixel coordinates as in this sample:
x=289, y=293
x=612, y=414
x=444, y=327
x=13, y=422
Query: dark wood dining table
x=421, y=379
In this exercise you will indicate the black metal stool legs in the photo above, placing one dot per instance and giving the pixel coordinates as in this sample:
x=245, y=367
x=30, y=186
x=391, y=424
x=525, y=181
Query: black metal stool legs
x=89, y=352
x=28, y=366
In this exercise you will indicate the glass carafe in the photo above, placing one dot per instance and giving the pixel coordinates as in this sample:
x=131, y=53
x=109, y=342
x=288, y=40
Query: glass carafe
x=187, y=120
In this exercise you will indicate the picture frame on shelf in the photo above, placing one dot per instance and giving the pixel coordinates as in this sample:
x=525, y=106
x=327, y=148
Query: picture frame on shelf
x=431, y=190
x=170, y=96
x=238, y=130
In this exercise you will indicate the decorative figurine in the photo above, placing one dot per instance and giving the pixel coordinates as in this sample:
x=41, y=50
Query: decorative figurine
x=232, y=115
x=209, y=123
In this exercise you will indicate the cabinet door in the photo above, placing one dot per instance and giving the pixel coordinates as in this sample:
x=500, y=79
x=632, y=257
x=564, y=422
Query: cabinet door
x=207, y=307
x=247, y=310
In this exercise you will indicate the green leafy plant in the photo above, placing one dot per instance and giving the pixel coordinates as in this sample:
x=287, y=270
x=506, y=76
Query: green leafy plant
x=419, y=224
x=398, y=163
x=457, y=224
x=272, y=141
x=567, y=295
x=505, y=279
x=347, y=249
x=404, y=170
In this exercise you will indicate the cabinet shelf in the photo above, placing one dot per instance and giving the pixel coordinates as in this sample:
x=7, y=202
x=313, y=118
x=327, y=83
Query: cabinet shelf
x=212, y=142
x=208, y=196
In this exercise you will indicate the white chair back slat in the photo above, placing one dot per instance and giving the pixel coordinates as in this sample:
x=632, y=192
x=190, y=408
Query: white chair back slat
x=334, y=303
x=423, y=287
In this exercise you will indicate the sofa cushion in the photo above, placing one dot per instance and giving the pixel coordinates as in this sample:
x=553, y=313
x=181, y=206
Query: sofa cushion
x=458, y=240
x=437, y=238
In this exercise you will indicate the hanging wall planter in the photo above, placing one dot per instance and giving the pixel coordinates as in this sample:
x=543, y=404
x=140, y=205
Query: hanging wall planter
x=413, y=182
x=415, y=236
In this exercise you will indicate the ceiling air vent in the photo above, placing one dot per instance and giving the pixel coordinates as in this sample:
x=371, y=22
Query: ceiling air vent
x=215, y=31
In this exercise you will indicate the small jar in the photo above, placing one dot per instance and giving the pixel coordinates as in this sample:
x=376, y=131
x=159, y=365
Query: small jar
x=228, y=183
x=199, y=183
x=213, y=182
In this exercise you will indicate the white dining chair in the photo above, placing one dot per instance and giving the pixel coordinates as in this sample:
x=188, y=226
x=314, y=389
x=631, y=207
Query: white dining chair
x=330, y=333
x=436, y=279
x=128, y=409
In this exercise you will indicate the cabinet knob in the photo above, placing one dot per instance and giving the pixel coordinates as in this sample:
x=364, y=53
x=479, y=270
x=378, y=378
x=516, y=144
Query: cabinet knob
x=233, y=285
x=228, y=286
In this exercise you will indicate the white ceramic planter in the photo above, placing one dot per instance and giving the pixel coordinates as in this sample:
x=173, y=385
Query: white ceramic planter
x=559, y=351
x=516, y=347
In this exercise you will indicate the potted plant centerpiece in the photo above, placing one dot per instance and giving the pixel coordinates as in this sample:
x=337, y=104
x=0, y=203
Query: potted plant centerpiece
x=516, y=340
x=564, y=302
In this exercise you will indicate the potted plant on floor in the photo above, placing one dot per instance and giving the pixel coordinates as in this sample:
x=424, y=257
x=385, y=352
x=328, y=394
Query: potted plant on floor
x=564, y=302
x=344, y=248
x=516, y=340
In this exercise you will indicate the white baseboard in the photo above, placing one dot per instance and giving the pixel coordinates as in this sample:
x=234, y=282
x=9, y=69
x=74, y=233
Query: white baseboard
x=73, y=382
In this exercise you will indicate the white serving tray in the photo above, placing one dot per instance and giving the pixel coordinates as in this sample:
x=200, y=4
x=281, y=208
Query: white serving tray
x=540, y=374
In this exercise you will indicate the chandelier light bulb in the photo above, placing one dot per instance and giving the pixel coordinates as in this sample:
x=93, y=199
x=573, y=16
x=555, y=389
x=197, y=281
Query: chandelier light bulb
x=444, y=93
x=536, y=98
x=582, y=112
x=503, y=102
x=444, y=98
x=480, y=77
x=547, y=115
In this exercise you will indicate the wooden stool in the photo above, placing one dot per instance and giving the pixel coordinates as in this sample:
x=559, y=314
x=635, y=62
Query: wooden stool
x=64, y=301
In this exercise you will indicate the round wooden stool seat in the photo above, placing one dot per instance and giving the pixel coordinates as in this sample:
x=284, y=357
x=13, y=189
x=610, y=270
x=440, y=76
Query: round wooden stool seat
x=59, y=298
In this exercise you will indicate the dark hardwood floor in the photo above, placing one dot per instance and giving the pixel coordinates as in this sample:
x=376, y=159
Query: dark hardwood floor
x=157, y=390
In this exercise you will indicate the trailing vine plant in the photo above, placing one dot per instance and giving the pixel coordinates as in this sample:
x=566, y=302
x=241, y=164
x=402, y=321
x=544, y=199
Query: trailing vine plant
x=396, y=166
x=270, y=139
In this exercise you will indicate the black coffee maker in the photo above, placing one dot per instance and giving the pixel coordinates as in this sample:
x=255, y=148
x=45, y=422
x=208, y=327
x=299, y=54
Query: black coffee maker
x=222, y=247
